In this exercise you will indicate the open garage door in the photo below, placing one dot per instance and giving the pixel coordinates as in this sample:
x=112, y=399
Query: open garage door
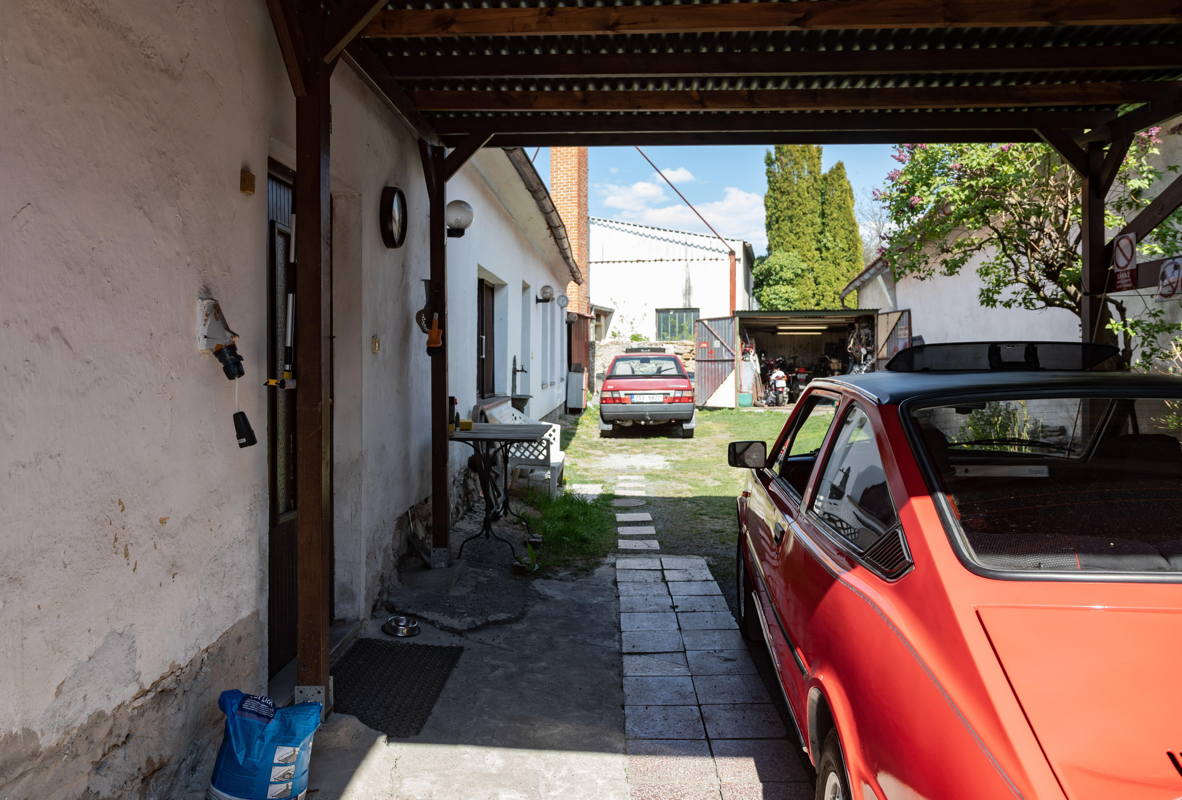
x=715, y=359
x=893, y=334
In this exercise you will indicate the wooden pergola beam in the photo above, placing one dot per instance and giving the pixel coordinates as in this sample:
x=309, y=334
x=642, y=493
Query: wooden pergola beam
x=754, y=16
x=372, y=68
x=844, y=62
x=968, y=97
x=1154, y=112
x=770, y=121
x=750, y=138
x=345, y=23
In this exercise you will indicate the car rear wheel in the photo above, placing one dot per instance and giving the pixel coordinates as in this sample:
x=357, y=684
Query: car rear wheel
x=607, y=433
x=687, y=433
x=832, y=782
x=748, y=620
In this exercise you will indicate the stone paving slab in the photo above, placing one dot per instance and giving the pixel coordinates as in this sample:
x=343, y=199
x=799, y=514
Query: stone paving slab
x=646, y=602
x=641, y=587
x=638, y=544
x=743, y=721
x=720, y=662
x=636, y=530
x=767, y=791
x=655, y=664
x=647, y=621
x=684, y=575
x=628, y=491
x=639, y=576
x=706, y=620
x=588, y=490
x=722, y=689
x=628, y=502
x=662, y=690
x=713, y=640
x=637, y=562
x=676, y=791
x=755, y=761
x=663, y=722
x=693, y=587
x=670, y=762
x=701, y=602
x=634, y=516
x=651, y=642
x=683, y=562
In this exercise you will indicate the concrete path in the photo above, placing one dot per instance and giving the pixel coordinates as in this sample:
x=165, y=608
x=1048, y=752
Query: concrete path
x=698, y=720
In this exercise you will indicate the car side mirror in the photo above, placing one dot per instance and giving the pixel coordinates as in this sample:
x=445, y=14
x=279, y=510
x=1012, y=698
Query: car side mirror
x=747, y=455
x=690, y=375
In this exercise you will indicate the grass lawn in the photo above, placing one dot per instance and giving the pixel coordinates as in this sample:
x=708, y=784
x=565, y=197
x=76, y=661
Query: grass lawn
x=691, y=490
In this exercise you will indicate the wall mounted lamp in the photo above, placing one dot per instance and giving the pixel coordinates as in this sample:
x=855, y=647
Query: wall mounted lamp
x=457, y=216
x=545, y=294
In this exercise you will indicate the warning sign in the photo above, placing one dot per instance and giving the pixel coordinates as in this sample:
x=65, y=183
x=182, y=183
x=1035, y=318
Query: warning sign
x=1169, y=283
x=1124, y=262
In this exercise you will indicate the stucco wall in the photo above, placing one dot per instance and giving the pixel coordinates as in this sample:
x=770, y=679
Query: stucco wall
x=640, y=269
x=133, y=535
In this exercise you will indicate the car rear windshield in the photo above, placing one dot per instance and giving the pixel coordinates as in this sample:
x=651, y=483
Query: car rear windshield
x=1067, y=485
x=646, y=367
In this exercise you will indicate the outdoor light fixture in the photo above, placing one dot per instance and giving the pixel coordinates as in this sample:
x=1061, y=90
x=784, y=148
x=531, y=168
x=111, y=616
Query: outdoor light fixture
x=563, y=301
x=457, y=216
x=545, y=294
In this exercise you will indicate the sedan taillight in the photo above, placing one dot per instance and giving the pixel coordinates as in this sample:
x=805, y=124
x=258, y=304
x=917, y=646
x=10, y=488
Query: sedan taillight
x=613, y=397
x=680, y=396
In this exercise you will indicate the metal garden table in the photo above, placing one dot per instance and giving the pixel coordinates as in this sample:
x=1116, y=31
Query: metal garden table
x=488, y=440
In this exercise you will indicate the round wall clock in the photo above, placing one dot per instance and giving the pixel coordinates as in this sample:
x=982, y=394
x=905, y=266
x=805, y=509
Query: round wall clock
x=393, y=216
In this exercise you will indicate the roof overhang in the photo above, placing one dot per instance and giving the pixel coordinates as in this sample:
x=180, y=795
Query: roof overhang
x=823, y=72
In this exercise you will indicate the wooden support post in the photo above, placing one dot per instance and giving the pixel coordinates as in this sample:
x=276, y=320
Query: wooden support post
x=434, y=173
x=313, y=309
x=1095, y=270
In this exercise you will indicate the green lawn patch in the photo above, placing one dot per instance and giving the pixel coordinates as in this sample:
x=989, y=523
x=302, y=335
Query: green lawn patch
x=575, y=532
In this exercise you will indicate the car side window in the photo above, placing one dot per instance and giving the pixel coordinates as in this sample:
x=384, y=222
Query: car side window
x=852, y=497
x=795, y=462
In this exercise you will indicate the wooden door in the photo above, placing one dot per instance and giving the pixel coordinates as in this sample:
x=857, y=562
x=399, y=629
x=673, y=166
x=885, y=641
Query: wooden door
x=281, y=432
x=485, y=382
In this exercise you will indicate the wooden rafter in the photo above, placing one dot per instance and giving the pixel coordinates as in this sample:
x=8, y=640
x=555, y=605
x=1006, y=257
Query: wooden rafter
x=751, y=138
x=1071, y=152
x=753, y=16
x=856, y=62
x=463, y=150
x=770, y=121
x=1166, y=203
x=345, y=23
x=1042, y=95
x=372, y=68
x=285, y=21
x=1152, y=113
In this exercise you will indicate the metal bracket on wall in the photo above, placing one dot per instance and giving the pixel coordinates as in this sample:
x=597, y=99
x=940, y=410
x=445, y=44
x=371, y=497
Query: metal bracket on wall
x=316, y=694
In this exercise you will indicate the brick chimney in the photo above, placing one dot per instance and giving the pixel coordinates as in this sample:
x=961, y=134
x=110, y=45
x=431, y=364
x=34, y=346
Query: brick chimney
x=568, y=188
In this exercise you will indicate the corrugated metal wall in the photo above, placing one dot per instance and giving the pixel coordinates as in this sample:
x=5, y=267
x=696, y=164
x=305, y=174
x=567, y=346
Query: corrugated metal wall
x=714, y=340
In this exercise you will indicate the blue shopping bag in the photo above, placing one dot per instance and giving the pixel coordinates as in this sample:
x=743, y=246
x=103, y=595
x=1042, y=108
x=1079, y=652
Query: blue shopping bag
x=265, y=750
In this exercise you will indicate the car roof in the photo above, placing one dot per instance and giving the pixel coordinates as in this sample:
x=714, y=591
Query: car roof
x=889, y=388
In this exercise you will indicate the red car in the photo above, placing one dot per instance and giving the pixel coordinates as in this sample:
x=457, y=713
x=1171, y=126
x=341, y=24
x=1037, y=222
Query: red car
x=647, y=389
x=967, y=571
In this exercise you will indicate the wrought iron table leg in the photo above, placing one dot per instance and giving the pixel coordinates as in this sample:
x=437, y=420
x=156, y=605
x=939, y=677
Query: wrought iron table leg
x=486, y=528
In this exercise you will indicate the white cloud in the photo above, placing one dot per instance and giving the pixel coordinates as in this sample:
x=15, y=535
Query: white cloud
x=678, y=175
x=737, y=215
x=632, y=198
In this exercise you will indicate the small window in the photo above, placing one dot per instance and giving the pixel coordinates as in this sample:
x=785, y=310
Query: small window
x=796, y=460
x=852, y=496
x=676, y=324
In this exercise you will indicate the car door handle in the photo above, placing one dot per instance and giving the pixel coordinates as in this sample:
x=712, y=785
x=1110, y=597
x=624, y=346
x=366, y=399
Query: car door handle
x=778, y=532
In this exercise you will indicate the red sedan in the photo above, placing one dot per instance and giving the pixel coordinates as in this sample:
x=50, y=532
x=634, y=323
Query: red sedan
x=649, y=388
x=967, y=574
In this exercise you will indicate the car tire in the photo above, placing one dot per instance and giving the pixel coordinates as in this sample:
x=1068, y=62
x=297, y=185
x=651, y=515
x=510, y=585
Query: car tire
x=747, y=618
x=607, y=433
x=832, y=781
x=687, y=433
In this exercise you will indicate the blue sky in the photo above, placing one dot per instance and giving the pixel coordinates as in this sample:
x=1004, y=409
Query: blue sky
x=725, y=183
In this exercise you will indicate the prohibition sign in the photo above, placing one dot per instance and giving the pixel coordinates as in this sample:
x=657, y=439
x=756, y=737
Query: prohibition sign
x=1169, y=283
x=1124, y=262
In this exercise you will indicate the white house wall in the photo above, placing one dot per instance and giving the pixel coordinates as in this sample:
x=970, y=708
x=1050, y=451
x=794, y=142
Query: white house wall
x=134, y=535
x=637, y=270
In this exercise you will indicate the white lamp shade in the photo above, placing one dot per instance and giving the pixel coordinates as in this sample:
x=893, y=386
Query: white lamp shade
x=547, y=292
x=458, y=215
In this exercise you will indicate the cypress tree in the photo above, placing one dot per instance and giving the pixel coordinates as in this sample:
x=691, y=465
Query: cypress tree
x=793, y=200
x=841, y=241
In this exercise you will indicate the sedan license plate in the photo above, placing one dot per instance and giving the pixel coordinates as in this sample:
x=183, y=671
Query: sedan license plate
x=648, y=398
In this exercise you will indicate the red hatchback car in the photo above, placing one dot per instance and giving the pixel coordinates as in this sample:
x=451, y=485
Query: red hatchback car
x=967, y=571
x=647, y=389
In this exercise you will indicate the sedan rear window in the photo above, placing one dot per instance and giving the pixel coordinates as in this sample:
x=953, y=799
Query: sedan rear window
x=1060, y=485
x=646, y=367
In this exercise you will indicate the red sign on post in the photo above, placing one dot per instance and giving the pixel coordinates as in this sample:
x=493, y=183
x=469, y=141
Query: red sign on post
x=1124, y=262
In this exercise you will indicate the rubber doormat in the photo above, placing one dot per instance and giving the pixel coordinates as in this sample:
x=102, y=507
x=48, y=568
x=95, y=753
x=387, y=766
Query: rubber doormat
x=392, y=686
